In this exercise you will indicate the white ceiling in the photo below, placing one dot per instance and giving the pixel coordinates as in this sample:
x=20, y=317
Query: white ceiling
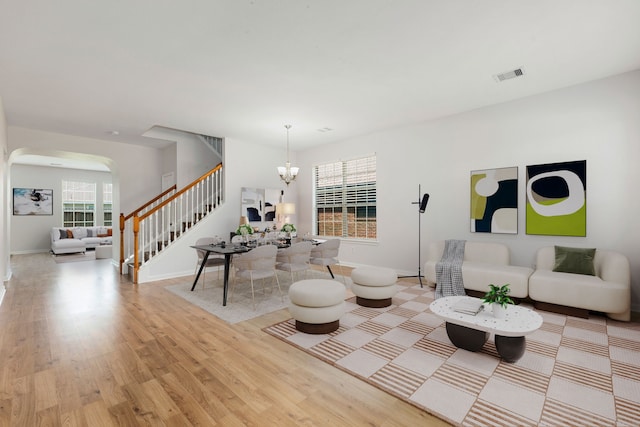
x=245, y=68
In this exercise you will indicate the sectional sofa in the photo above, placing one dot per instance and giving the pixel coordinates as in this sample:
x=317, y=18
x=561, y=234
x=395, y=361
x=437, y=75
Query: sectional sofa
x=66, y=240
x=606, y=289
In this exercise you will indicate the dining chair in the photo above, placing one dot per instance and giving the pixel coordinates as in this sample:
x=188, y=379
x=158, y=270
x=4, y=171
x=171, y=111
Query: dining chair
x=326, y=254
x=259, y=263
x=237, y=238
x=295, y=258
x=212, y=261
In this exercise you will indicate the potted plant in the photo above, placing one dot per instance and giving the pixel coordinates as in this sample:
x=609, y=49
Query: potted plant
x=498, y=297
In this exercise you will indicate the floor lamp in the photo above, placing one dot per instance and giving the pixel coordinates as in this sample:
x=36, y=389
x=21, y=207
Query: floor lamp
x=422, y=206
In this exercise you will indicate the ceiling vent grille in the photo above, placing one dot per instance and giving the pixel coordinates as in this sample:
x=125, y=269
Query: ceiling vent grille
x=509, y=75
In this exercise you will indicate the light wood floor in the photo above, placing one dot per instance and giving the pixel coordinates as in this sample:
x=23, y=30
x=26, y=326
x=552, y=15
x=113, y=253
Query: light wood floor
x=80, y=345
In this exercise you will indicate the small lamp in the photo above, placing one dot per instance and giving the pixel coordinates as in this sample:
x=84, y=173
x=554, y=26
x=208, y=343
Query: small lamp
x=283, y=210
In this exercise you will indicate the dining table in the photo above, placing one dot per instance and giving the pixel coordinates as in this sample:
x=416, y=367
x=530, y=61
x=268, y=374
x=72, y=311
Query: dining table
x=229, y=250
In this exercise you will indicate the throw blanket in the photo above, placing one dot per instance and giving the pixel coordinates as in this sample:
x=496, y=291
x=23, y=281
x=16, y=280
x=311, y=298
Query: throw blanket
x=449, y=270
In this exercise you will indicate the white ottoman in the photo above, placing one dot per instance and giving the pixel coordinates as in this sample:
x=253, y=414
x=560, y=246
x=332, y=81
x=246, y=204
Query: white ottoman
x=374, y=286
x=104, y=251
x=317, y=305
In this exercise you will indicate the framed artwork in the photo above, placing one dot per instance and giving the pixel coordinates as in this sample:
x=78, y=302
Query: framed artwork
x=494, y=200
x=32, y=201
x=557, y=199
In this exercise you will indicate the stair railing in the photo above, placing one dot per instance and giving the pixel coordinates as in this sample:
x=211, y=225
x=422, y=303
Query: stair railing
x=126, y=222
x=158, y=227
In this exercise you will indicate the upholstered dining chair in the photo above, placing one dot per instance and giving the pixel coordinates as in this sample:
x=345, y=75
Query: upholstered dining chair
x=326, y=254
x=295, y=258
x=259, y=263
x=212, y=261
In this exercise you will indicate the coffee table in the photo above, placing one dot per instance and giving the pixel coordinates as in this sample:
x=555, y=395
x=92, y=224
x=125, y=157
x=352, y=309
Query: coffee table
x=470, y=332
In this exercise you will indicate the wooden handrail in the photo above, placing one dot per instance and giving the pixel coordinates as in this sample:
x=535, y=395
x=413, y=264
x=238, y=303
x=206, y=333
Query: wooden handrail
x=137, y=219
x=179, y=193
x=159, y=196
x=124, y=218
x=136, y=256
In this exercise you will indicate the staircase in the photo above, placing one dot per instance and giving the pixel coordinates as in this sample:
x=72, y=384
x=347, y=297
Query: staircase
x=213, y=142
x=153, y=227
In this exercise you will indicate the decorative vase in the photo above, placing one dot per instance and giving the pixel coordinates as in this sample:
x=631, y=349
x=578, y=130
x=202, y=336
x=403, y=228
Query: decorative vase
x=499, y=312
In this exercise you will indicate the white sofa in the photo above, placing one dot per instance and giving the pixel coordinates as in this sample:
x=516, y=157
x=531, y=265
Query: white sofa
x=484, y=264
x=609, y=291
x=82, y=238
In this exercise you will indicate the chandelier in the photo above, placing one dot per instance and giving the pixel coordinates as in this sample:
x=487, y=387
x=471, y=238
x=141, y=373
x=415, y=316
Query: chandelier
x=287, y=173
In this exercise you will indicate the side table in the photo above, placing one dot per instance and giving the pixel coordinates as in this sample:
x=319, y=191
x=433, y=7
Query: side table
x=104, y=251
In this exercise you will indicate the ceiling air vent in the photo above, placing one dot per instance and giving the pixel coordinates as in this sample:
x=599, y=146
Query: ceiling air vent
x=509, y=75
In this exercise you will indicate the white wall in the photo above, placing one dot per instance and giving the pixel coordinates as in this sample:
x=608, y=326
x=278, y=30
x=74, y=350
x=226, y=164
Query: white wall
x=136, y=168
x=4, y=207
x=246, y=165
x=598, y=121
x=31, y=233
x=196, y=158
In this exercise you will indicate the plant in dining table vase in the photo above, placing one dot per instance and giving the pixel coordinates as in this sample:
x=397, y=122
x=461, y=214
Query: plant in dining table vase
x=244, y=230
x=498, y=297
x=288, y=229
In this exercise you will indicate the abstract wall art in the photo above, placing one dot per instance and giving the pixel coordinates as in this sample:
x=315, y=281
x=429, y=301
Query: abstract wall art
x=557, y=199
x=494, y=201
x=32, y=201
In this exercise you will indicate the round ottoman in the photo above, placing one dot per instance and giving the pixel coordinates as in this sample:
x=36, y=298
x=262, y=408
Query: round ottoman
x=374, y=286
x=317, y=305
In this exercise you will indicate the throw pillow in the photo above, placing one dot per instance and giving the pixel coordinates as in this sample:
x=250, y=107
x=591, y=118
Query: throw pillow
x=63, y=234
x=89, y=232
x=69, y=234
x=575, y=260
x=109, y=232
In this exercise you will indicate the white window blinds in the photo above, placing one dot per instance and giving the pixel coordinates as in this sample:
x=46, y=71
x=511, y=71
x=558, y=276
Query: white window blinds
x=345, y=198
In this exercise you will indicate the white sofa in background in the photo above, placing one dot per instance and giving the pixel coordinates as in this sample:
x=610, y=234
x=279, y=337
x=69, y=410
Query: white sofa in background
x=82, y=238
x=609, y=291
x=484, y=264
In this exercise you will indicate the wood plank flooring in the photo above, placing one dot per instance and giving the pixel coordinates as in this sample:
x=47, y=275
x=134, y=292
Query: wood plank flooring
x=80, y=345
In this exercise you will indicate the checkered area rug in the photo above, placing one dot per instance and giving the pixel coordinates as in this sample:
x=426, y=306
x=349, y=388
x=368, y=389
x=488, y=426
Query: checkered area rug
x=575, y=372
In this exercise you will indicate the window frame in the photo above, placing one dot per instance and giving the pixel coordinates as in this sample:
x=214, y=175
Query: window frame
x=354, y=183
x=78, y=217
x=107, y=200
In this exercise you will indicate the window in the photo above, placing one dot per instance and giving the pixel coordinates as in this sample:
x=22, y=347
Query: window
x=78, y=203
x=345, y=198
x=107, y=203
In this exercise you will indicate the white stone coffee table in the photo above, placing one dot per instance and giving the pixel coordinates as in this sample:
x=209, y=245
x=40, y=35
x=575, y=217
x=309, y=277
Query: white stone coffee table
x=470, y=332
